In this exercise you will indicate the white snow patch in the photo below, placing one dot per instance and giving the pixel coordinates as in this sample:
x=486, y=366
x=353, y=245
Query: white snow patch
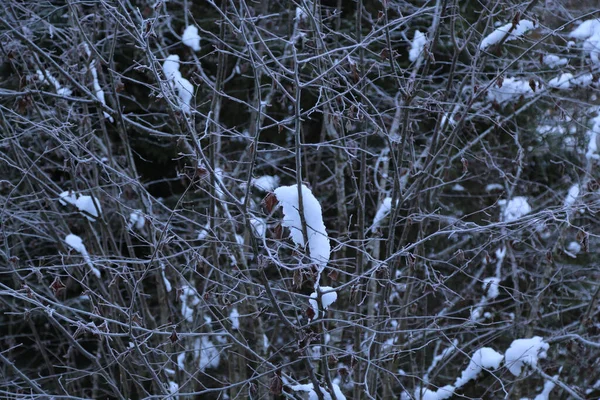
x=417, y=45
x=382, y=213
x=89, y=206
x=266, y=183
x=484, y=358
x=515, y=208
x=189, y=300
x=495, y=37
x=174, y=389
x=76, y=243
x=493, y=186
x=183, y=87
x=554, y=61
x=98, y=90
x=492, y=285
x=525, y=352
x=210, y=357
x=234, y=317
x=137, y=220
x=511, y=89
x=165, y=280
x=573, y=248
x=318, y=242
x=572, y=196
x=327, y=299
x=259, y=226
x=312, y=395
x=548, y=386
x=191, y=38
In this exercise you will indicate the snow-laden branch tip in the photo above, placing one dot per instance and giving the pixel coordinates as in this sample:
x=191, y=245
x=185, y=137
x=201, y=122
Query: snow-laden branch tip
x=509, y=89
x=136, y=220
x=572, y=196
x=76, y=243
x=266, y=183
x=524, y=352
x=183, y=87
x=328, y=297
x=382, y=213
x=589, y=32
x=191, y=38
x=312, y=395
x=61, y=91
x=89, y=206
x=98, y=90
x=318, y=242
x=417, y=45
x=519, y=30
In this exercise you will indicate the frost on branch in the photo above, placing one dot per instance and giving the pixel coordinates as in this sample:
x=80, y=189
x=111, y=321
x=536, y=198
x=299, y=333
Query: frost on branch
x=318, y=242
x=519, y=30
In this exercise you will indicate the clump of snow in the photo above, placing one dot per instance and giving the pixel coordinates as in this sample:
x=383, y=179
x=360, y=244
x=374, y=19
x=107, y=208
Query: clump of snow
x=173, y=389
x=493, y=186
x=492, y=285
x=417, y=45
x=515, y=208
x=76, y=243
x=572, y=195
x=61, y=91
x=318, y=242
x=592, y=150
x=566, y=80
x=98, y=90
x=458, y=188
x=89, y=206
x=266, y=183
x=525, y=352
x=183, y=87
x=234, y=317
x=189, y=299
x=519, y=30
x=382, y=212
x=554, y=61
x=68, y=197
x=191, y=38
x=137, y=220
x=209, y=355
x=312, y=395
x=442, y=393
x=589, y=32
x=562, y=81
x=484, y=358
x=328, y=297
x=165, y=280
x=259, y=227
x=548, y=387
x=573, y=249
x=510, y=89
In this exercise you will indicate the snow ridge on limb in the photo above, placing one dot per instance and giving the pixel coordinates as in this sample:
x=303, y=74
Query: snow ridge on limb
x=318, y=241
